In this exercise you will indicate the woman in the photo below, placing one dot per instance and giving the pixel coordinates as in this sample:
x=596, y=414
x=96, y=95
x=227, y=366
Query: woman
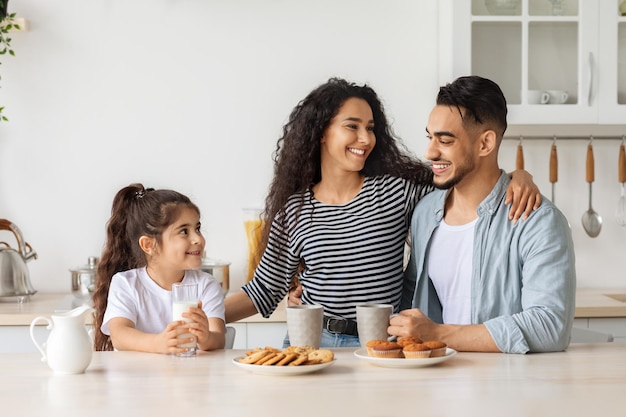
x=338, y=211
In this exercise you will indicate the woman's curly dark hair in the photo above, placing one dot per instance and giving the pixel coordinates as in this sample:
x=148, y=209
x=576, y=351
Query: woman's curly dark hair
x=297, y=161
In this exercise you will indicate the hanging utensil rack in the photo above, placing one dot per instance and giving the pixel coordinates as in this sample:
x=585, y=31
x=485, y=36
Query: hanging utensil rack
x=563, y=137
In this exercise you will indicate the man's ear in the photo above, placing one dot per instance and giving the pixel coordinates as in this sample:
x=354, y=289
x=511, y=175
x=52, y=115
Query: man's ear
x=147, y=244
x=488, y=142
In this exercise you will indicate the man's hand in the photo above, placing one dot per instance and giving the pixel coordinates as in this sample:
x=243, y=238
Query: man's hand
x=412, y=323
x=463, y=338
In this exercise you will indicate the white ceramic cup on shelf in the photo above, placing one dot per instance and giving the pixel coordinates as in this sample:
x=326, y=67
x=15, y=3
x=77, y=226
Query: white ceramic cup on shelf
x=304, y=324
x=183, y=297
x=538, y=97
x=558, y=96
x=372, y=321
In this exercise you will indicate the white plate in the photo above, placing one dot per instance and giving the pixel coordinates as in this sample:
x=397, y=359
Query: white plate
x=282, y=370
x=403, y=362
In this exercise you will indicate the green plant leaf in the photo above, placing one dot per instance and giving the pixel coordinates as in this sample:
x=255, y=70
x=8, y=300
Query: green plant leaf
x=7, y=23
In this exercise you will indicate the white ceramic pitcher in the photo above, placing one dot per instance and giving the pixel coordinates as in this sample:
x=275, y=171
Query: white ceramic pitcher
x=69, y=347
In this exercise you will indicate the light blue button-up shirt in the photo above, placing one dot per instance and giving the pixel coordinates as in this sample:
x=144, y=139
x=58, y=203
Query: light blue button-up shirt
x=523, y=278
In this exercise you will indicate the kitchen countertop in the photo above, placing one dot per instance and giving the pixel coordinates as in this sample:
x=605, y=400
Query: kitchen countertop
x=590, y=302
x=587, y=378
x=593, y=302
x=22, y=314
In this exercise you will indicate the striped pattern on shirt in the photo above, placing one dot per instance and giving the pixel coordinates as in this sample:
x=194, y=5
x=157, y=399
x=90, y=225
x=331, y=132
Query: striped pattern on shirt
x=353, y=253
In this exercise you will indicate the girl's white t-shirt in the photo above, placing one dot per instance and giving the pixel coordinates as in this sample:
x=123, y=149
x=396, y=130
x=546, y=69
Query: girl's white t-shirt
x=135, y=296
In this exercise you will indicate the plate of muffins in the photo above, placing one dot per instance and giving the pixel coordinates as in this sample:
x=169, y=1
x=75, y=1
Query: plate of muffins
x=406, y=352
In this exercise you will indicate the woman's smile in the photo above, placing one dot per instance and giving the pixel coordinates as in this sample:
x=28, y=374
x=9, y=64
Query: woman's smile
x=357, y=151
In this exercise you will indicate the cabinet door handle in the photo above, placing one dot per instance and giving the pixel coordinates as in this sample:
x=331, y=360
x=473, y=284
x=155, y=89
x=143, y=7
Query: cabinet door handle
x=590, y=86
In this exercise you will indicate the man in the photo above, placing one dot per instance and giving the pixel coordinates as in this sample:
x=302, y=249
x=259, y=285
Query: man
x=476, y=280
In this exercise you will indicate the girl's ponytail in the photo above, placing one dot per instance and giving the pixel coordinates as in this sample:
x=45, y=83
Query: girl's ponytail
x=117, y=256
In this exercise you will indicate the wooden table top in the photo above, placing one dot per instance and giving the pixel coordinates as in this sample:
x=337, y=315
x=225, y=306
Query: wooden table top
x=587, y=378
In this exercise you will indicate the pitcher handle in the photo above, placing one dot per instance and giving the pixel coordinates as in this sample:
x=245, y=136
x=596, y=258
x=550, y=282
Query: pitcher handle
x=32, y=334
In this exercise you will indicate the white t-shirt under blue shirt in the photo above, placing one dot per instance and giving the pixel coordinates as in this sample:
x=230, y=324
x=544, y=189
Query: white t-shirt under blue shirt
x=135, y=296
x=450, y=270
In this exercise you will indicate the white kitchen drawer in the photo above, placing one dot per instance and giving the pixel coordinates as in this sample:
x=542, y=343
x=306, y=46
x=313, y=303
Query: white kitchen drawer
x=614, y=325
x=266, y=334
x=16, y=339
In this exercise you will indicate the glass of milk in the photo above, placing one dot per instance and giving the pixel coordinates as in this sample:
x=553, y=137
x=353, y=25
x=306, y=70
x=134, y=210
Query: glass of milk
x=183, y=297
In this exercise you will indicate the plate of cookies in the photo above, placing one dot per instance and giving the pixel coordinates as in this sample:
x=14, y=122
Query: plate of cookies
x=293, y=360
x=406, y=352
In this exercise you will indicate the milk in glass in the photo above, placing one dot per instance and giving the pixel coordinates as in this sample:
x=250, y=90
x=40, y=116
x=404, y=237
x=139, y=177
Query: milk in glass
x=178, y=308
x=183, y=297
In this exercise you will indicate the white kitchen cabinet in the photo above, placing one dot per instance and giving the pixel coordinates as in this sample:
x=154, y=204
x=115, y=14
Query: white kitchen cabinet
x=612, y=71
x=580, y=50
x=259, y=334
x=16, y=339
x=615, y=326
x=611, y=325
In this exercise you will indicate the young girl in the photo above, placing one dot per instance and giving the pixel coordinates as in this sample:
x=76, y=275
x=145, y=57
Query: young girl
x=338, y=211
x=154, y=241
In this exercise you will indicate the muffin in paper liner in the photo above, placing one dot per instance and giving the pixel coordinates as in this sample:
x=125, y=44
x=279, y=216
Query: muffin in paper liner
x=371, y=343
x=408, y=340
x=437, y=348
x=416, y=351
x=386, y=350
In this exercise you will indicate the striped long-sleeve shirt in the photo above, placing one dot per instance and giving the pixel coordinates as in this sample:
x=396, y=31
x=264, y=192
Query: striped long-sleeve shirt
x=353, y=253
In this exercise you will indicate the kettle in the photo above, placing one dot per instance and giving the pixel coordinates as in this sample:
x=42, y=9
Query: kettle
x=14, y=276
x=68, y=349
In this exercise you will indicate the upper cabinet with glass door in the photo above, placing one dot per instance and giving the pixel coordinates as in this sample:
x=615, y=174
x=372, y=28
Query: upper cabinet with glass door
x=612, y=72
x=557, y=61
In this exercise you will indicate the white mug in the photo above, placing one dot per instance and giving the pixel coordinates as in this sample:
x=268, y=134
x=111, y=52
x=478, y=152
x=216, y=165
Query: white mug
x=304, y=325
x=558, y=96
x=372, y=321
x=538, y=97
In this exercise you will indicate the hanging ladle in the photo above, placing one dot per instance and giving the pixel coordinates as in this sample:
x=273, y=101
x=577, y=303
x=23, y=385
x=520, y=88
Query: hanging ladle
x=620, y=214
x=592, y=222
x=554, y=167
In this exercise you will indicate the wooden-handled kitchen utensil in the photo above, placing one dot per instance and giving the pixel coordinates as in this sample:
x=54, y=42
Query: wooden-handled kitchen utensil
x=519, y=160
x=554, y=167
x=592, y=222
x=620, y=214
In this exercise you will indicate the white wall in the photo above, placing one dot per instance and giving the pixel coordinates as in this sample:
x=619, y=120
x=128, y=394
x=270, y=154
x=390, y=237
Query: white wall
x=192, y=95
x=185, y=94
